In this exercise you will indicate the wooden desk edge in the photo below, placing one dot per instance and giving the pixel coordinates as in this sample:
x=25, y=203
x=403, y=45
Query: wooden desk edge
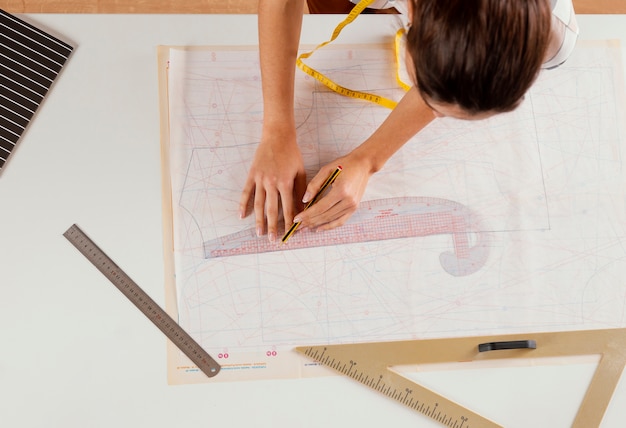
x=215, y=6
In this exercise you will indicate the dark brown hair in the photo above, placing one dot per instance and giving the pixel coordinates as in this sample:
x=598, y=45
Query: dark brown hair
x=481, y=55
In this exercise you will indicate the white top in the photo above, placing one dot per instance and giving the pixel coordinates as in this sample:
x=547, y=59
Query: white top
x=564, y=25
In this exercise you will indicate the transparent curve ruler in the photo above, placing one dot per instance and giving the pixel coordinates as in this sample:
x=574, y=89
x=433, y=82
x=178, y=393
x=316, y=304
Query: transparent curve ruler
x=172, y=330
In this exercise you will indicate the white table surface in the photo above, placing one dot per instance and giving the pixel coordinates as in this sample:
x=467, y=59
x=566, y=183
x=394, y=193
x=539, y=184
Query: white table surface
x=75, y=353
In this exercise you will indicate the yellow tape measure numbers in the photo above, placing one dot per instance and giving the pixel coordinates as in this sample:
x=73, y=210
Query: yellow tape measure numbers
x=329, y=83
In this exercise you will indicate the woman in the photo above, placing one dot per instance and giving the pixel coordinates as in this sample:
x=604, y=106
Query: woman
x=469, y=59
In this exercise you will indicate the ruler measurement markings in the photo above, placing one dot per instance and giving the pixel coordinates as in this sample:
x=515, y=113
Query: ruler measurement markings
x=142, y=301
x=380, y=357
x=390, y=218
x=400, y=389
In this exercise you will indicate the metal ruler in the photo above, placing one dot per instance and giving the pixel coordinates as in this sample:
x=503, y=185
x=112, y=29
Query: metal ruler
x=372, y=365
x=142, y=301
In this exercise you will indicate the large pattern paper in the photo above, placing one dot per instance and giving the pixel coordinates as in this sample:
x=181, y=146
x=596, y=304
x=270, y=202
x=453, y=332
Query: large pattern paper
x=512, y=224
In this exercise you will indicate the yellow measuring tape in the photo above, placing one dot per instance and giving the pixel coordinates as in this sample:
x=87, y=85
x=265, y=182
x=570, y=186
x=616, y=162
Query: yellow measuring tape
x=385, y=102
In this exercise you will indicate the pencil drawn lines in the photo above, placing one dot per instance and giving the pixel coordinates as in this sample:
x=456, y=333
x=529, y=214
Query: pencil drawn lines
x=524, y=212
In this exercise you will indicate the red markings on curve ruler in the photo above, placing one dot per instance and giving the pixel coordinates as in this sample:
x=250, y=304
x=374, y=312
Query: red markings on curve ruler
x=377, y=220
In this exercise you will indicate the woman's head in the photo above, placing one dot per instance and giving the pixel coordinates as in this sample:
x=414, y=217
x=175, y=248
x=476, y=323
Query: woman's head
x=480, y=56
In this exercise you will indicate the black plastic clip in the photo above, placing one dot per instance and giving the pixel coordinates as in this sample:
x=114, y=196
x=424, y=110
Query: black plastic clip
x=514, y=344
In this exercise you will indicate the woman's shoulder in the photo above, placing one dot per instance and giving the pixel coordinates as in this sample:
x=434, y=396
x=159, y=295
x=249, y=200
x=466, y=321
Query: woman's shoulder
x=564, y=33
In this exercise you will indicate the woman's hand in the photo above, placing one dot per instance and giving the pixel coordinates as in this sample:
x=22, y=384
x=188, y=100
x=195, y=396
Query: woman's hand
x=410, y=116
x=276, y=179
x=277, y=175
x=343, y=198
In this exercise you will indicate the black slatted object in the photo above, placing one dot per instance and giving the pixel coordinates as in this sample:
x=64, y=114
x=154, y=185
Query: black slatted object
x=30, y=61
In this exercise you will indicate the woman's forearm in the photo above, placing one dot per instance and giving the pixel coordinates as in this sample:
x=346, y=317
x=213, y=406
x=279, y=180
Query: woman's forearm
x=410, y=116
x=279, y=35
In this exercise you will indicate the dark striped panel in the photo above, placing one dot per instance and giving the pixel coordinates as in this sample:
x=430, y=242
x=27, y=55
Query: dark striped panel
x=30, y=60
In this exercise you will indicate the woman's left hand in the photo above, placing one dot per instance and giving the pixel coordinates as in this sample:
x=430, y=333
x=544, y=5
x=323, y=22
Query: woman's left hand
x=410, y=116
